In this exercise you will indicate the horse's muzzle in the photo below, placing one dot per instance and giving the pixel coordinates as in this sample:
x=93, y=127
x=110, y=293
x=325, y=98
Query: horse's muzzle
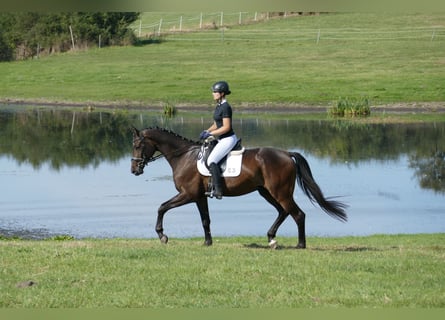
x=137, y=172
x=137, y=166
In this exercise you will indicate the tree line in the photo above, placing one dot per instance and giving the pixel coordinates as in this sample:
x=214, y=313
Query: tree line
x=24, y=35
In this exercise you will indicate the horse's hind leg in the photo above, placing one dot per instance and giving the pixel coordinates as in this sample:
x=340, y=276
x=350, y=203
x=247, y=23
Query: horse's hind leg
x=282, y=215
x=299, y=217
x=284, y=209
x=271, y=234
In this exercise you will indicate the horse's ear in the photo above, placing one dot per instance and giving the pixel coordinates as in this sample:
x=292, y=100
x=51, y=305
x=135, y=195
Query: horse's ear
x=135, y=132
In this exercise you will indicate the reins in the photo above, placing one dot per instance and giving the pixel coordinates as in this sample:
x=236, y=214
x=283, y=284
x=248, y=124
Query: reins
x=144, y=161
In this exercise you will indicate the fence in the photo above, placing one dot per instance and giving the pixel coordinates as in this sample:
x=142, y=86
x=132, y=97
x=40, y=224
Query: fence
x=171, y=25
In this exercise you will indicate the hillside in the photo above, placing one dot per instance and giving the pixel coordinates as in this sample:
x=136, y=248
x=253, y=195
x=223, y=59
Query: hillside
x=297, y=60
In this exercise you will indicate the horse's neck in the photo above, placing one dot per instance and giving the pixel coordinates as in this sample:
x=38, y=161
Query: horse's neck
x=173, y=147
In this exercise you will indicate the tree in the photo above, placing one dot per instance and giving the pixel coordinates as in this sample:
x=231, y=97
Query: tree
x=6, y=52
x=22, y=34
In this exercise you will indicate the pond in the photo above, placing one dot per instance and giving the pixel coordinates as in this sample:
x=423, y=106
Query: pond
x=66, y=172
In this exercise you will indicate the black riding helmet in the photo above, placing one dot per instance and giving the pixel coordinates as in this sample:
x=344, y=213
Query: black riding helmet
x=221, y=86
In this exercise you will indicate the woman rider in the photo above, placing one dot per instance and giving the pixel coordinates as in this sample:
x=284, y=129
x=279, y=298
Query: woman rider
x=222, y=128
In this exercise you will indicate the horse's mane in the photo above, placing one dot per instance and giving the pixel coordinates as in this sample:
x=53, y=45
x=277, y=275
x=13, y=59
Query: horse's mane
x=168, y=131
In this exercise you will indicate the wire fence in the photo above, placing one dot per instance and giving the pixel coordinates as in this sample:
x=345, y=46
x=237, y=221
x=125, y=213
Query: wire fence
x=218, y=24
x=317, y=35
x=215, y=20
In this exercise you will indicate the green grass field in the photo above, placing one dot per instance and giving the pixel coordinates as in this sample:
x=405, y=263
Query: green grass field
x=384, y=271
x=306, y=59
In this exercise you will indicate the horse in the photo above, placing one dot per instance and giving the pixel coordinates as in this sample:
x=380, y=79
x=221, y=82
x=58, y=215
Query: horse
x=270, y=171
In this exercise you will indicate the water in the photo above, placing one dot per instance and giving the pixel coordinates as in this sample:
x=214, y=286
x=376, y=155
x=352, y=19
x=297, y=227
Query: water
x=43, y=195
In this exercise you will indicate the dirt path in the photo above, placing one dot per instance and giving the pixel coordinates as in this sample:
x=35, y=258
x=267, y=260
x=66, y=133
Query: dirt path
x=401, y=107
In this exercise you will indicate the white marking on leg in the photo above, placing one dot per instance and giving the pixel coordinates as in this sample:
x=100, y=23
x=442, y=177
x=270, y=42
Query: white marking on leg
x=273, y=244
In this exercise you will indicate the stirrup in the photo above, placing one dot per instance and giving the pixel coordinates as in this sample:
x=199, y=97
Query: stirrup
x=211, y=194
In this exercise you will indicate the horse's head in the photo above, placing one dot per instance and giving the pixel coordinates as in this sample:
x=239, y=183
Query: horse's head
x=143, y=151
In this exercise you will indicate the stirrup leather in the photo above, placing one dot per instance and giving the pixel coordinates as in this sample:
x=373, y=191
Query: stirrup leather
x=210, y=190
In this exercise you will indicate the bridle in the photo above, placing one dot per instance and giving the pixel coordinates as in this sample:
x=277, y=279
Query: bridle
x=142, y=162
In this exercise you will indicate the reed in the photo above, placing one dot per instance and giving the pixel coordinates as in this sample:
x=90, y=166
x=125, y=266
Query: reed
x=350, y=107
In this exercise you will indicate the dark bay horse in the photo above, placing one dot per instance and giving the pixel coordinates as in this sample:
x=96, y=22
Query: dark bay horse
x=270, y=171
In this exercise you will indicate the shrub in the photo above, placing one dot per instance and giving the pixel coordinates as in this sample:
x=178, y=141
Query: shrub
x=351, y=107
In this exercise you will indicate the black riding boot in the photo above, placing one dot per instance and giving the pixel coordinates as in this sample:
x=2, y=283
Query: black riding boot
x=216, y=180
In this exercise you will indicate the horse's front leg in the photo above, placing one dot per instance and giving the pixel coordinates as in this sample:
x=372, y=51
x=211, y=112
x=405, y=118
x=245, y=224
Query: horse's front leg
x=203, y=208
x=178, y=200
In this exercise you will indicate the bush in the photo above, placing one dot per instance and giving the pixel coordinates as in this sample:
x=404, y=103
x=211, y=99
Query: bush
x=351, y=107
x=6, y=52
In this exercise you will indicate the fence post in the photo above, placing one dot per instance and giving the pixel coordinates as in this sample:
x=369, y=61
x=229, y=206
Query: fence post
x=140, y=27
x=434, y=33
x=221, y=22
x=180, y=24
x=240, y=18
x=200, y=21
x=72, y=37
x=160, y=25
x=318, y=36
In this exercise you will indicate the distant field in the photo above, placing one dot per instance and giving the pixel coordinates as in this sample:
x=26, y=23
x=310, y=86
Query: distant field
x=300, y=59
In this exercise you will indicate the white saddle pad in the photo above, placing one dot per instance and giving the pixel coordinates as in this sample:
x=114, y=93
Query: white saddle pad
x=233, y=165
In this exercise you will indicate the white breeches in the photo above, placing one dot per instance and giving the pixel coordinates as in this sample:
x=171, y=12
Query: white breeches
x=221, y=149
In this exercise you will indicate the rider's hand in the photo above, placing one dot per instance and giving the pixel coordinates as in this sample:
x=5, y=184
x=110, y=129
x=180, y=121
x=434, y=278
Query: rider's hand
x=204, y=135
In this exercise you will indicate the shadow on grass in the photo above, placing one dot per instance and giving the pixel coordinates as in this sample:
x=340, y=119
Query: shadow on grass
x=261, y=246
x=345, y=249
x=314, y=248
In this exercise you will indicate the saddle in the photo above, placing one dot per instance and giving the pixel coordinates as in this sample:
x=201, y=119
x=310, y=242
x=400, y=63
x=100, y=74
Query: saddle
x=230, y=165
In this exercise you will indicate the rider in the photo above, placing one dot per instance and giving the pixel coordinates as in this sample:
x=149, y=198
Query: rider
x=222, y=128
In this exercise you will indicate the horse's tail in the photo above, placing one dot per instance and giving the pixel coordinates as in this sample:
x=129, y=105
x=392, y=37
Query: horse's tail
x=307, y=183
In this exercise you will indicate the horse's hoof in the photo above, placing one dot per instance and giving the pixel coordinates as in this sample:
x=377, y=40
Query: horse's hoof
x=273, y=244
x=301, y=246
x=208, y=243
x=164, y=239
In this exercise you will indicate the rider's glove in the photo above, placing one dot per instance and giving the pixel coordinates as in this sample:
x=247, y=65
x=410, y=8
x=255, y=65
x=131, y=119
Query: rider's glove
x=204, y=135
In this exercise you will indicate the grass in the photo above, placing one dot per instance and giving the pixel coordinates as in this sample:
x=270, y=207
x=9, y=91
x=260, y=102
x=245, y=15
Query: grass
x=375, y=271
x=386, y=57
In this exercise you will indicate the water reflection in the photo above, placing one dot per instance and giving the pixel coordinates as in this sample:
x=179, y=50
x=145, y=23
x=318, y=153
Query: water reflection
x=68, y=171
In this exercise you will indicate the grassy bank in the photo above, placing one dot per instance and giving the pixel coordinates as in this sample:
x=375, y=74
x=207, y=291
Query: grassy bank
x=375, y=271
x=311, y=59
